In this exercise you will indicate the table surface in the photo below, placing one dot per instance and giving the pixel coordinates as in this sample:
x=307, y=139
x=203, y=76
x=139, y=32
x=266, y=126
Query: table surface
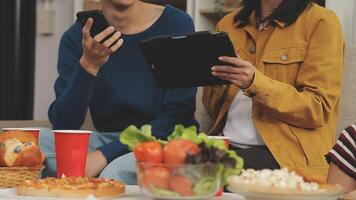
x=132, y=193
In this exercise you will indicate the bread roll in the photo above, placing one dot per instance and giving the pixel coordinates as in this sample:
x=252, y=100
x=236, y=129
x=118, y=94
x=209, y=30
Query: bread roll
x=29, y=156
x=22, y=136
x=19, y=149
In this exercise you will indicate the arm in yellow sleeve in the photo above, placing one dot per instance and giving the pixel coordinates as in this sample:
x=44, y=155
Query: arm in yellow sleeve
x=318, y=85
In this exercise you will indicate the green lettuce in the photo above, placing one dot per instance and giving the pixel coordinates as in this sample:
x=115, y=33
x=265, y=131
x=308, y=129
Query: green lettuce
x=185, y=133
x=205, y=186
x=219, y=144
x=163, y=192
x=232, y=171
x=132, y=136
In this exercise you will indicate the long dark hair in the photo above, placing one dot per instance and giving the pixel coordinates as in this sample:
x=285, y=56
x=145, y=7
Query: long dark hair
x=288, y=12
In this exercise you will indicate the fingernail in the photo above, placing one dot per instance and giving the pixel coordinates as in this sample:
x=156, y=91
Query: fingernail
x=213, y=68
x=221, y=58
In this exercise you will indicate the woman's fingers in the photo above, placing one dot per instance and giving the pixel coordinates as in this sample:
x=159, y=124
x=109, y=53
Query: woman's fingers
x=101, y=36
x=236, y=70
x=109, y=42
x=236, y=62
x=232, y=78
x=230, y=60
x=227, y=69
x=225, y=75
x=230, y=70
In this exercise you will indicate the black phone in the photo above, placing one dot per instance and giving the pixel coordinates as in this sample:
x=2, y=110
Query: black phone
x=99, y=22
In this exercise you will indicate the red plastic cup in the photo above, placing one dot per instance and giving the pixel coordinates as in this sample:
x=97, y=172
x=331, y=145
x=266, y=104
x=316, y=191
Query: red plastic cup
x=71, y=152
x=34, y=131
x=227, y=143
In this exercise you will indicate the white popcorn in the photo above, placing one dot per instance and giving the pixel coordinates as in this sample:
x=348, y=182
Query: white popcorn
x=280, y=178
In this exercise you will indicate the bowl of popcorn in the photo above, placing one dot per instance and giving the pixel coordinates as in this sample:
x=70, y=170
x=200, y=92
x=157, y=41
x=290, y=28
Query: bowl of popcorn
x=280, y=184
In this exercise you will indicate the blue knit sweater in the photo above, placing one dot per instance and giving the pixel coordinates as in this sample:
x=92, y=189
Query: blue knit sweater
x=124, y=93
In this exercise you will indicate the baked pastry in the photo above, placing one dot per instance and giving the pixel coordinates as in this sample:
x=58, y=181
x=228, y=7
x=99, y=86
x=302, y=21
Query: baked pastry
x=72, y=187
x=19, y=149
x=22, y=136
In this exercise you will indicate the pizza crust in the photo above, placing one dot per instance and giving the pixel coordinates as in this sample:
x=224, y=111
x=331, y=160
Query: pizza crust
x=33, y=192
x=82, y=188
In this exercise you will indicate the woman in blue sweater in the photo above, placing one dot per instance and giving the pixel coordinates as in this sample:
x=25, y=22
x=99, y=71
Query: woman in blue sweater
x=113, y=81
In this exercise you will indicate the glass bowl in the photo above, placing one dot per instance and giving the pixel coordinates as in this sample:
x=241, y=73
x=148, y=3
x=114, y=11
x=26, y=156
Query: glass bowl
x=187, y=181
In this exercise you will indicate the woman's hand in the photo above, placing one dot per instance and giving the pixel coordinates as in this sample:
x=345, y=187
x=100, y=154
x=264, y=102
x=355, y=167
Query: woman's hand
x=238, y=72
x=95, y=164
x=95, y=54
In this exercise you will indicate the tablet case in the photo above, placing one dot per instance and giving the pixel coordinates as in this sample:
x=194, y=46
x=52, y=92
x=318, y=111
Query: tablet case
x=186, y=60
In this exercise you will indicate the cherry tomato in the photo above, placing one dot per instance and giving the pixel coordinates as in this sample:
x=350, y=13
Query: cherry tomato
x=150, y=152
x=175, y=152
x=181, y=185
x=157, y=177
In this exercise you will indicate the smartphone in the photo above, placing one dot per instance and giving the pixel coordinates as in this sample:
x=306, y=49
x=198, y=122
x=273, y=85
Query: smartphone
x=99, y=22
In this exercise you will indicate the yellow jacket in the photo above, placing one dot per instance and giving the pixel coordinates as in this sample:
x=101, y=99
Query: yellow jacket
x=295, y=91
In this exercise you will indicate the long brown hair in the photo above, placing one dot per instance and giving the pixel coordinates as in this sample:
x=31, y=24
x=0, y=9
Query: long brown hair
x=288, y=12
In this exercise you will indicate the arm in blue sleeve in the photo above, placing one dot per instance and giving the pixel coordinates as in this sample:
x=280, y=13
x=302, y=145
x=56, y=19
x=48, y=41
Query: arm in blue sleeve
x=179, y=104
x=178, y=108
x=113, y=150
x=74, y=86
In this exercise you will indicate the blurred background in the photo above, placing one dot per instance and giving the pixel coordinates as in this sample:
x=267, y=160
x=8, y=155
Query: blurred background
x=31, y=30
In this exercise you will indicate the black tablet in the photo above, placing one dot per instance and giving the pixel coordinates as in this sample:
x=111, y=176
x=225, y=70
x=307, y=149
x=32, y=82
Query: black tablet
x=186, y=60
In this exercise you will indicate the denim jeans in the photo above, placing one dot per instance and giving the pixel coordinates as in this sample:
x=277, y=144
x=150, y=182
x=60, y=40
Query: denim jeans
x=122, y=168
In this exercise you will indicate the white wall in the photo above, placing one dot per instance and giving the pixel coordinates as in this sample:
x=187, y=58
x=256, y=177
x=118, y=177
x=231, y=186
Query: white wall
x=202, y=22
x=354, y=24
x=346, y=10
x=46, y=58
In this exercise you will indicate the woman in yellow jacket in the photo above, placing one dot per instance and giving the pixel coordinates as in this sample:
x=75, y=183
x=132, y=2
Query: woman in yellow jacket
x=282, y=106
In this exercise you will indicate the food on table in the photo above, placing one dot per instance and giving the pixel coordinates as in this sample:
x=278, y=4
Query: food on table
x=35, y=132
x=157, y=177
x=72, y=187
x=212, y=154
x=280, y=184
x=166, y=180
x=22, y=136
x=193, y=165
x=278, y=178
x=176, y=151
x=181, y=185
x=19, y=149
x=149, y=152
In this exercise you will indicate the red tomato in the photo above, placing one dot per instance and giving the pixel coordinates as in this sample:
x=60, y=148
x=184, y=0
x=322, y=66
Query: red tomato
x=157, y=177
x=150, y=152
x=175, y=152
x=181, y=185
